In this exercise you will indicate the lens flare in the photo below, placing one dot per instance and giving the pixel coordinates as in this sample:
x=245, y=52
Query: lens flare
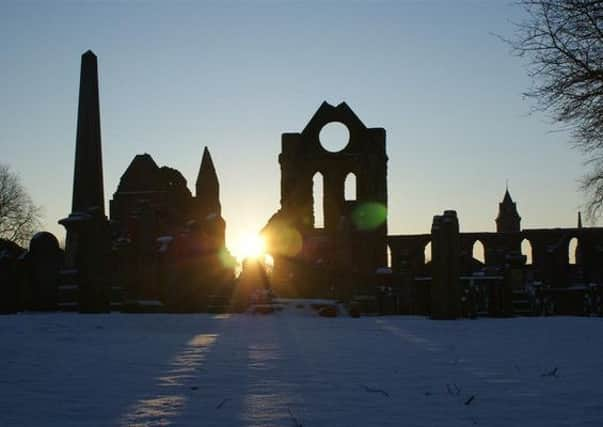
x=369, y=216
x=249, y=246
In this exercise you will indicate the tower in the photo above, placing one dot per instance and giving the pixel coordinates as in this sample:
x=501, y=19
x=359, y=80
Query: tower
x=508, y=219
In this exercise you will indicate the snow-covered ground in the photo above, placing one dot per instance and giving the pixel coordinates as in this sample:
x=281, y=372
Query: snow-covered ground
x=295, y=368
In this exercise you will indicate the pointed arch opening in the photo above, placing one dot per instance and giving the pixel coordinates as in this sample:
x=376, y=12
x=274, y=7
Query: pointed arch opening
x=350, y=191
x=478, y=251
x=572, y=248
x=427, y=252
x=318, y=200
x=526, y=249
x=389, y=257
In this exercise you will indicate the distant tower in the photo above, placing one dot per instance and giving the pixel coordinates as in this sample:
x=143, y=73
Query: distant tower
x=508, y=219
x=207, y=198
x=579, y=219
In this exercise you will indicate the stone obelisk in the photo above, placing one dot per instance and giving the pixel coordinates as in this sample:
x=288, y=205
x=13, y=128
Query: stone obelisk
x=88, y=242
x=88, y=174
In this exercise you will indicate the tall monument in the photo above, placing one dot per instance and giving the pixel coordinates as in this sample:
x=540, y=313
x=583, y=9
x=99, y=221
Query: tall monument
x=88, y=242
x=88, y=174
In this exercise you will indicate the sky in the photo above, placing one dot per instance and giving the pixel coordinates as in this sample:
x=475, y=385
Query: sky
x=235, y=75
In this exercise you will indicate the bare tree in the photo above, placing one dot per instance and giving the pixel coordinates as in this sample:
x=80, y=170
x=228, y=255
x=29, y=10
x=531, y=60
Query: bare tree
x=562, y=41
x=19, y=217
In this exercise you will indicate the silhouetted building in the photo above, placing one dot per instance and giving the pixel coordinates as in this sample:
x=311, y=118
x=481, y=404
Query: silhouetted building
x=548, y=263
x=335, y=258
x=165, y=248
x=162, y=190
x=165, y=233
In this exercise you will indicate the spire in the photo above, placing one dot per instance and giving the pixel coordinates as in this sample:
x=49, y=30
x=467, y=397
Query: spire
x=207, y=187
x=508, y=219
x=579, y=219
x=507, y=200
x=88, y=175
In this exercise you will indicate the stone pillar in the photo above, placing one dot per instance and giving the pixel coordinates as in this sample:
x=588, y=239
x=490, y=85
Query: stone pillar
x=406, y=285
x=88, y=242
x=513, y=281
x=445, y=283
x=88, y=173
x=87, y=267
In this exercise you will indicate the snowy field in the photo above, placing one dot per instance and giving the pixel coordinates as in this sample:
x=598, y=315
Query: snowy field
x=295, y=368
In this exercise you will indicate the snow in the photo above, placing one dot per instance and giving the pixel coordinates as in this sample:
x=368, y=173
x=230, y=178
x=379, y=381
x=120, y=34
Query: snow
x=67, y=369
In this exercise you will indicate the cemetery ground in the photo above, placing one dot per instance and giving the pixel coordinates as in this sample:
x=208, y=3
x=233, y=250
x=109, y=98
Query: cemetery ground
x=294, y=368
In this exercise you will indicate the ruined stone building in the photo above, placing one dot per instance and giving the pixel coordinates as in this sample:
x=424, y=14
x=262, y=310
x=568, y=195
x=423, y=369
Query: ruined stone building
x=160, y=196
x=347, y=254
x=337, y=257
x=163, y=248
x=159, y=244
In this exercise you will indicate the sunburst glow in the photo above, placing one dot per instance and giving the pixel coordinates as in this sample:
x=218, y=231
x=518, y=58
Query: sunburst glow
x=249, y=245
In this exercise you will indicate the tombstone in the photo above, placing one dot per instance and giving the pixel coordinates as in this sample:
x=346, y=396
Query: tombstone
x=44, y=262
x=9, y=293
x=445, y=283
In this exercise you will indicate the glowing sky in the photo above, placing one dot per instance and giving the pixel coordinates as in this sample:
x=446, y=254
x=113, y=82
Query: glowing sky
x=176, y=76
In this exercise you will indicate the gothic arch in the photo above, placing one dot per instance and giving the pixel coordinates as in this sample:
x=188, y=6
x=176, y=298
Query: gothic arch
x=427, y=252
x=478, y=251
x=572, y=247
x=527, y=250
x=318, y=209
x=350, y=187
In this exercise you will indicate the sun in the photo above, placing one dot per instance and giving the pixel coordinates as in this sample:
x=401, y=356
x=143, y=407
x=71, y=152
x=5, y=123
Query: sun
x=249, y=245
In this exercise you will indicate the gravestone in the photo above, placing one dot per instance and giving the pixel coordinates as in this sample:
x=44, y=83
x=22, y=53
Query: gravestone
x=9, y=296
x=44, y=261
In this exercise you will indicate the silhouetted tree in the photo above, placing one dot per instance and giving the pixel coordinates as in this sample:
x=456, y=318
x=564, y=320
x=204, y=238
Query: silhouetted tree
x=19, y=217
x=563, y=43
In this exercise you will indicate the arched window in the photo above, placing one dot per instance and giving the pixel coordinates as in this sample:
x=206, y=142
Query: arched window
x=526, y=249
x=479, y=252
x=350, y=192
x=571, y=251
x=318, y=200
x=427, y=252
x=389, y=257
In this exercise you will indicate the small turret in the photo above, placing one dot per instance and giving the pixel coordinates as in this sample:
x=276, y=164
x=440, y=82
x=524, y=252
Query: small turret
x=508, y=219
x=579, y=219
